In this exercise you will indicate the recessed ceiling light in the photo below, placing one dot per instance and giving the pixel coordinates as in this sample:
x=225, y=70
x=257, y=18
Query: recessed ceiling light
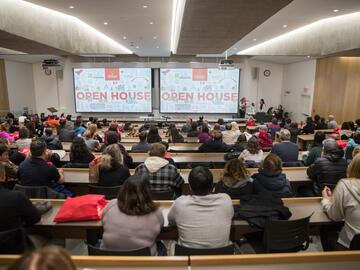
x=157, y=47
x=235, y=48
x=151, y=22
x=124, y=37
x=254, y=39
x=308, y=56
x=155, y=37
x=336, y=10
x=137, y=47
x=285, y=25
x=145, y=6
x=71, y=7
x=106, y=23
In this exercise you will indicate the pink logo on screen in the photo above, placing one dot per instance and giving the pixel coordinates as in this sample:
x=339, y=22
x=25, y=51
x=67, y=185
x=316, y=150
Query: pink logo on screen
x=199, y=74
x=78, y=72
x=112, y=74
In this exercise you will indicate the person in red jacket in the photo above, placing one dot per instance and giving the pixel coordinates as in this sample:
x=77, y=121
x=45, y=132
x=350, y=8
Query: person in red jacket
x=251, y=122
x=264, y=139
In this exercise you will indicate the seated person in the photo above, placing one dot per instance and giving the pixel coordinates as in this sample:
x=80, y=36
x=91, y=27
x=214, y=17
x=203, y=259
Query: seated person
x=194, y=132
x=11, y=170
x=240, y=144
x=113, y=129
x=79, y=129
x=216, y=145
x=24, y=139
x=79, y=152
x=315, y=151
x=273, y=127
x=113, y=138
x=204, y=135
x=162, y=175
x=35, y=170
x=228, y=135
x=252, y=152
x=132, y=221
x=309, y=127
x=16, y=210
x=264, y=139
x=194, y=214
x=91, y=143
x=52, y=142
x=153, y=135
x=342, y=204
x=250, y=122
x=236, y=181
x=142, y=146
x=187, y=127
x=331, y=122
x=66, y=133
x=329, y=168
x=352, y=143
x=286, y=150
x=270, y=178
x=294, y=132
x=112, y=171
x=4, y=132
x=92, y=129
x=174, y=135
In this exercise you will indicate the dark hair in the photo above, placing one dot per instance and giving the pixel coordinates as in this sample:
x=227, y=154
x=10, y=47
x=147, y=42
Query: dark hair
x=253, y=145
x=204, y=128
x=62, y=123
x=309, y=120
x=228, y=126
x=79, y=150
x=31, y=127
x=288, y=121
x=143, y=136
x=220, y=121
x=294, y=125
x=352, y=125
x=319, y=137
x=153, y=135
x=134, y=198
x=201, y=181
x=37, y=148
x=112, y=137
x=166, y=144
x=356, y=137
x=24, y=133
x=175, y=135
x=217, y=135
x=68, y=117
x=194, y=126
x=241, y=138
x=113, y=127
x=78, y=122
x=157, y=150
x=48, y=131
x=46, y=258
x=357, y=121
x=274, y=121
x=345, y=126
x=4, y=148
x=272, y=163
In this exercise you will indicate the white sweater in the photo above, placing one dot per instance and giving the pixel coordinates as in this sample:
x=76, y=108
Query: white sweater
x=203, y=221
x=345, y=205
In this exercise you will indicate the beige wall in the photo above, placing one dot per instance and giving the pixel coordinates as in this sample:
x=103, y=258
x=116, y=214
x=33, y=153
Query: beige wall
x=337, y=88
x=4, y=98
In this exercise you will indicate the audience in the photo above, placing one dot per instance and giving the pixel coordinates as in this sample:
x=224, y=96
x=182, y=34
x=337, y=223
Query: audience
x=342, y=204
x=315, y=151
x=46, y=258
x=132, y=221
x=352, y=143
x=273, y=127
x=271, y=179
x=153, y=135
x=174, y=135
x=252, y=152
x=24, y=139
x=187, y=127
x=236, y=181
x=11, y=170
x=113, y=129
x=286, y=150
x=331, y=122
x=79, y=152
x=264, y=139
x=142, y=146
x=113, y=138
x=66, y=133
x=216, y=145
x=294, y=132
x=240, y=144
x=4, y=132
x=231, y=133
x=91, y=143
x=204, y=135
x=194, y=214
x=78, y=127
x=329, y=168
x=52, y=141
x=162, y=175
x=194, y=132
x=309, y=127
x=112, y=171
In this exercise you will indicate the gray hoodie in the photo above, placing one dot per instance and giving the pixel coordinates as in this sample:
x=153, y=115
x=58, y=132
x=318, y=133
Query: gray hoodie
x=345, y=205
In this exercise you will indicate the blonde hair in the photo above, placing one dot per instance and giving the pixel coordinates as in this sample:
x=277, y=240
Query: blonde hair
x=112, y=157
x=234, y=171
x=356, y=151
x=92, y=128
x=87, y=135
x=353, y=170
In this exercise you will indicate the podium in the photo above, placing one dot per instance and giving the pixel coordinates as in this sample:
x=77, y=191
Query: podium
x=52, y=110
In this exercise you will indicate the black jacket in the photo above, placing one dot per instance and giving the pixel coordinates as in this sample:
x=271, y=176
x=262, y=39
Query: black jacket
x=114, y=176
x=66, y=135
x=52, y=142
x=214, y=146
x=274, y=183
x=327, y=170
x=309, y=128
x=236, y=191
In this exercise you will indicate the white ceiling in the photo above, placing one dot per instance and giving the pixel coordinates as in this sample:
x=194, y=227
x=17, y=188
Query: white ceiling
x=27, y=58
x=125, y=18
x=281, y=59
x=297, y=14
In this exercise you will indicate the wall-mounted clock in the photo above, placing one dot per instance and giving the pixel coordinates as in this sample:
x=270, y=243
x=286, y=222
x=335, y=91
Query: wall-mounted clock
x=267, y=73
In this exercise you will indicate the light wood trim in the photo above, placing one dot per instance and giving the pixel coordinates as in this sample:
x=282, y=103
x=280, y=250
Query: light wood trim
x=275, y=258
x=75, y=169
x=116, y=261
x=4, y=95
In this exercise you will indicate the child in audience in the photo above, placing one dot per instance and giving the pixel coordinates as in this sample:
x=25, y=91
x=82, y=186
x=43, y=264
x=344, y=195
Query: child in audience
x=271, y=179
x=253, y=152
x=112, y=171
x=79, y=152
x=194, y=214
x=153, y=135
x=47, y=258
x=132, y=221
x=343, y=204
x=316, y=149
x=236, y=181
x=24, y=140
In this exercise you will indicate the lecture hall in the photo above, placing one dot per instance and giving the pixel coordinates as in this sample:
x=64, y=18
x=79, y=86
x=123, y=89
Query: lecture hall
x=179, y=134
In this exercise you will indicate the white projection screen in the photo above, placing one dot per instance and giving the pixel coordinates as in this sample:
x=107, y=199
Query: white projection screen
x=199, y=90
x=112, y=89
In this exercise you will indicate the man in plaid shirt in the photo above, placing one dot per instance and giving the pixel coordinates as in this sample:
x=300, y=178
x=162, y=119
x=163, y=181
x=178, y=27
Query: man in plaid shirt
x=162, y=175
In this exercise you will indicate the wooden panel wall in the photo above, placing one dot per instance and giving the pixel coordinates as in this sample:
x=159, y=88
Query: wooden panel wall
x=337, y=88
x=4, y=97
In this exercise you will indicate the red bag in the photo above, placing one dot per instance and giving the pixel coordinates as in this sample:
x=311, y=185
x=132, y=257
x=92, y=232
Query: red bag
x=82, y=208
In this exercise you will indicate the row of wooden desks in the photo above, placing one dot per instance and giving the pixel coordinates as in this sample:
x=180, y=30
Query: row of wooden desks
x=299, y=207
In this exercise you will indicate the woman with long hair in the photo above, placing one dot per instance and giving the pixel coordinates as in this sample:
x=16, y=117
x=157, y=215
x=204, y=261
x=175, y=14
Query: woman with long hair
x=79, y=153
x=174, y=135
x=132, y=221
x=253, y=151
x=112, y=171
x=153, y=135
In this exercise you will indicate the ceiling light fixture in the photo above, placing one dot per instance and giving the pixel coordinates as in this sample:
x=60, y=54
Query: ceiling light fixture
x=285, y=25
x=335, y=10
x=157, y=47
x=308, y=56
x=124, y=37
x=254, y=39
x=106, y=23
x=71, y=7
x=145, y=6
x=137, y=47
x=176, y=20
x=155, y=37
x=151, y=22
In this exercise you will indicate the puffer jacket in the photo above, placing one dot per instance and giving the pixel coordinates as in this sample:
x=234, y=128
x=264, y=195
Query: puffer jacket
x=327, y=171
x=275, y=183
